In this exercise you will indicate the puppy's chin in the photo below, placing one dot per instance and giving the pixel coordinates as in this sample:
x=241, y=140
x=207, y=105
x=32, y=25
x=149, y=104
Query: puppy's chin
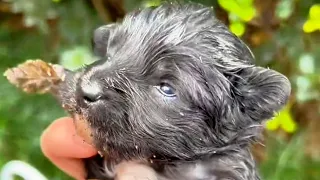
x=85, y=131
x=105, y=126
x=82, y=128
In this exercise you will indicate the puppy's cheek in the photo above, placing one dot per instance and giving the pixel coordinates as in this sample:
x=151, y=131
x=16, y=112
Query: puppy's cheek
x=83, y=129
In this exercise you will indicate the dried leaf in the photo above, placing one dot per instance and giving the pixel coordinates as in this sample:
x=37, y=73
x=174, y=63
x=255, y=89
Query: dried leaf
x=35, y=76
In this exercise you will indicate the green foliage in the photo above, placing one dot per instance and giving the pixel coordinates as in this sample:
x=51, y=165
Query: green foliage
x=293, y=49
x=284, y=9
x=237, y=26
x=244, y=9
x=75, y=58
x=283, y=120
x=152, y=3
x=240, y=11
x=306, y=63
x=313, y=22
x=22, y=117
x=35, y=12
x=286, y=160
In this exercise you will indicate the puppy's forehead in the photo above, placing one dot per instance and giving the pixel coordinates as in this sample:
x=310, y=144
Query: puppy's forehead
x=183, y=36
x=150, y=29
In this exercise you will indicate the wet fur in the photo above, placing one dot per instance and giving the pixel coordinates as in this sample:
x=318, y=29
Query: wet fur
x=222, y=98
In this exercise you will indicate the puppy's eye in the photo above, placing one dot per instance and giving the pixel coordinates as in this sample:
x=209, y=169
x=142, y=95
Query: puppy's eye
x=166, y=90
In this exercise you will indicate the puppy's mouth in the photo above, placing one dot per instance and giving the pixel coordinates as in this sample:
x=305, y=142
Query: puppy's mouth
x=83, y=128
x=85, y=131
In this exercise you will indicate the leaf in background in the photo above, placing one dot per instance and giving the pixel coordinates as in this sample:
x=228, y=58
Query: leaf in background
x=34, y=76
x=77, y=57
x=304, y=89
x=306, y=63
x=273, y=124
x=77, y=23
x=284, y=9
x=130, y=5
x=314, y=12
x=240, y=11
x=35, y=13
x=294, y=46
x=283, y=120
x=237, y=27
x=303, y=84
x=287, y=122
x=247, y=14
x=313, y=22
x=244, y=9
x=152, y=3
x=289, y=160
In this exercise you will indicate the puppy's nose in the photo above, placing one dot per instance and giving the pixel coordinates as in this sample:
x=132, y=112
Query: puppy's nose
x=91, y=96
x=91, y=92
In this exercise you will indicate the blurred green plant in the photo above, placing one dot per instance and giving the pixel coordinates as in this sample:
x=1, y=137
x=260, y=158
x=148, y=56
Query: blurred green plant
x=152, y=3
x=35, y=12
x=286, y=160
x=77, y=57
x=283, y=120
x=313, y=22
x=240, y=12
x=284, y=9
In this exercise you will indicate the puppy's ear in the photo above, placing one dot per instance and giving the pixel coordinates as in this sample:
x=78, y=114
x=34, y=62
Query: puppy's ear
x=261, y=92
x=100, y=39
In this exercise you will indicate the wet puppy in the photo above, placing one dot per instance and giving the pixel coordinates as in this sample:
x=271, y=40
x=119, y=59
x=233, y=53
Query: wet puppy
x=174, y=90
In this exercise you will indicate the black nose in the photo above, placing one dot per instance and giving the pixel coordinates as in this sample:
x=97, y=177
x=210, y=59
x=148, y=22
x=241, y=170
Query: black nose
x=90, y=92
x=91, y=97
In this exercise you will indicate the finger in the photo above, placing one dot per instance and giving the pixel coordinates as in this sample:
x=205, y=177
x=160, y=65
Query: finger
x=71, y=166
x=61, y=138
x=64, y=148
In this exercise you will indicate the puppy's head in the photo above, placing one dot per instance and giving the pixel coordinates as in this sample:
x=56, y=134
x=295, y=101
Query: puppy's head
x=174, y=82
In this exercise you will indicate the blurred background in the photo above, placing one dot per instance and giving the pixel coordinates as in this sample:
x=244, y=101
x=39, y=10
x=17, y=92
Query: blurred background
x=283, y=34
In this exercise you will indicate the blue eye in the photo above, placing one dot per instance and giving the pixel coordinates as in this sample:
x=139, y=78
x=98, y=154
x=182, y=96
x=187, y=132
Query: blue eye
x=166, y=90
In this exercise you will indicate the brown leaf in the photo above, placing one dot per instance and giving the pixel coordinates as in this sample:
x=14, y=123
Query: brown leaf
x=35, y=76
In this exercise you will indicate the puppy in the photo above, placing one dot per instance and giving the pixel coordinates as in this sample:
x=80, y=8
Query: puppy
x=174, y=90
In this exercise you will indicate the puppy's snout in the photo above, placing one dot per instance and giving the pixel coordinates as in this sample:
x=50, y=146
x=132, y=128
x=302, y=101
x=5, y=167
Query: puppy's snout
x=90, y=92
x=91, y=96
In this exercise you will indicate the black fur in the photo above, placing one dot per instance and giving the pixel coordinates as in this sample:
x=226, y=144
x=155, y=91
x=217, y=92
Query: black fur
x=222, y=97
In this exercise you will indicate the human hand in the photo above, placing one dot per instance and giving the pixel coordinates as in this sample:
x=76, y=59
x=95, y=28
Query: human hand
x=65, y=149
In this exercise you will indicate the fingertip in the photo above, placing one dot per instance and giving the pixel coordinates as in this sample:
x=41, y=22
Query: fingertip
x=58, y=146
x=47, y=136
x=60, y=139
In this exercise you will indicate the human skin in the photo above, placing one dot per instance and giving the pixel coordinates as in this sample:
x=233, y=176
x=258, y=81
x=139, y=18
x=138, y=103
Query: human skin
x=65, y=149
